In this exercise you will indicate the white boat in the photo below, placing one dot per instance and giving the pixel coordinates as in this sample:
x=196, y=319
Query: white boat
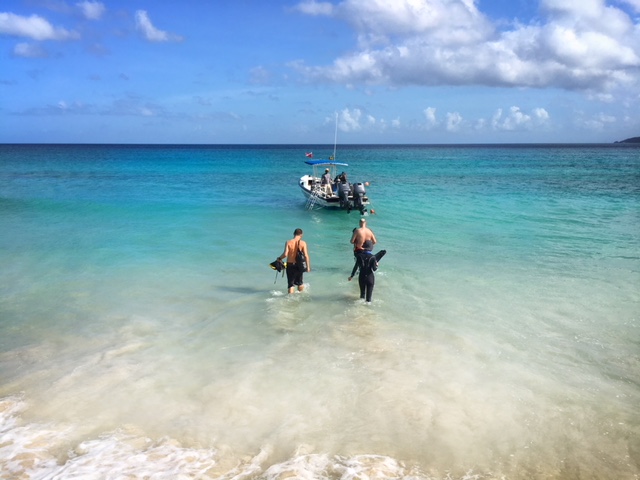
x=340, y=194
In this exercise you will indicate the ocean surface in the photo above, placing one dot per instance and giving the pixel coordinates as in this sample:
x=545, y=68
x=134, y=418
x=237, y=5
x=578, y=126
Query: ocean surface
x=143, y=334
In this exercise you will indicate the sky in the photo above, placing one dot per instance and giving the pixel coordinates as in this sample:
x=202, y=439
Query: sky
x=284, y=72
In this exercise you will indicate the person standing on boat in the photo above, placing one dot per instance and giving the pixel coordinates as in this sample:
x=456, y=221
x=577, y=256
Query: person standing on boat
x=326, y=182
x=361, y=235
x=291, y=247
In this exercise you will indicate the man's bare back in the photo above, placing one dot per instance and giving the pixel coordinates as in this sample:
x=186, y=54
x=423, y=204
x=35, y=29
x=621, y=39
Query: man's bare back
x=361, y=235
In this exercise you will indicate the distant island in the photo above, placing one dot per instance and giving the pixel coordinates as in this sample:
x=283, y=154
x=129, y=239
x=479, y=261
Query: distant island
x=631, y=140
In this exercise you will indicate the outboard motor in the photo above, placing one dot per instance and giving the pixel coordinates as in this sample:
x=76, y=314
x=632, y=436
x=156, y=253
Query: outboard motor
x=358, y=196
x=343, y=194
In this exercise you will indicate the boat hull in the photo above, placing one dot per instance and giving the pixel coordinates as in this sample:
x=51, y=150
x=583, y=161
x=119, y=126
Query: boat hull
x=318, y=197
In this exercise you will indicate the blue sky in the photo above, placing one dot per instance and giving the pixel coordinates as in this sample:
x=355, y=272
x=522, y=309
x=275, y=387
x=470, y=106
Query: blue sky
x=252, y=71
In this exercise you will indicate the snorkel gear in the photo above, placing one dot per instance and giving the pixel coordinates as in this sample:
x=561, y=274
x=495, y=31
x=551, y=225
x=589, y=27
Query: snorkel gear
x=278, y=266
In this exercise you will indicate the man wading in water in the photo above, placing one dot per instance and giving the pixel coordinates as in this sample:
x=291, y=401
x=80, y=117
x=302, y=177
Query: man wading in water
x=291, y=247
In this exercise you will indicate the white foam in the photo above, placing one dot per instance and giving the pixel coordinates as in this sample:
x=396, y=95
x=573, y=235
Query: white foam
x=46, y=452
x=39, y=451
x=323, y=466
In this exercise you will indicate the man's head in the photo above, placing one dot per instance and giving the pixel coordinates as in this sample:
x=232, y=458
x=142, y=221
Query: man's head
x=363, y=222
x=297, y=231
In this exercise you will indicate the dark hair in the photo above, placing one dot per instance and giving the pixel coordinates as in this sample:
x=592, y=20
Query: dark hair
x=297, y=231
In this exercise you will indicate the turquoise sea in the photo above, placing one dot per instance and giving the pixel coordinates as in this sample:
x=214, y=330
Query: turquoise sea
x=144, y=336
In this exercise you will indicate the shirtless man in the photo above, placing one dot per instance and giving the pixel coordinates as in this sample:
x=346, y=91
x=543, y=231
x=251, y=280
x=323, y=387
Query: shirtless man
x=361, y=235
x=291, y=247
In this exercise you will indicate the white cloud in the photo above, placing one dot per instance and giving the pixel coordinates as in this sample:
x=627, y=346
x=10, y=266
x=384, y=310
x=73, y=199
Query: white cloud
x=29, y=50
x=448, y=21
x=354, y=120
x=578, y=45
x=454, y=121
x=602, y=97
x=516, y=119
x=587, y=7
x=91, y=10
x=541, y=115
x=598, y=122
x=430, y=115
x=604, y=118
x=150, y=32
x=65, y=108
x=349, y=120
x=34, y=27
x=311, y=7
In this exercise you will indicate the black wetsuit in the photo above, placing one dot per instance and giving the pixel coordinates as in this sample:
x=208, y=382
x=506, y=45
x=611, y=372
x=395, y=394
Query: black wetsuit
x=367, y=264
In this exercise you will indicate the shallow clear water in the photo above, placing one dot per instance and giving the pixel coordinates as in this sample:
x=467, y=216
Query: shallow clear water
x=142, y=333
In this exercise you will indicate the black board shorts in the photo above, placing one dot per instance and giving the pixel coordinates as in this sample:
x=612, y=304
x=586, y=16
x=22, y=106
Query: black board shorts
x=294, y=277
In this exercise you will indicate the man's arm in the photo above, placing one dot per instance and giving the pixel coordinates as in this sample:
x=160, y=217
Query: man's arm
x=355, y=268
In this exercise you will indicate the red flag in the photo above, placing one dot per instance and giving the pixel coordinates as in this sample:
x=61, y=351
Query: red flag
x=309, y=154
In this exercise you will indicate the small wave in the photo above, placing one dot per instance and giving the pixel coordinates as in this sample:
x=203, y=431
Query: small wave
x=45, y=451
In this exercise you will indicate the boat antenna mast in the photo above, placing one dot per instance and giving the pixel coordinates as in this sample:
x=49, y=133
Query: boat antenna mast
x=335, y=139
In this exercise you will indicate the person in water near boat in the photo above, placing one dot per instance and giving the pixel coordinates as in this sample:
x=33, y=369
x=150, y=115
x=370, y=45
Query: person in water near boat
x=361, y=235
x=291, y=247
x=367, y=263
